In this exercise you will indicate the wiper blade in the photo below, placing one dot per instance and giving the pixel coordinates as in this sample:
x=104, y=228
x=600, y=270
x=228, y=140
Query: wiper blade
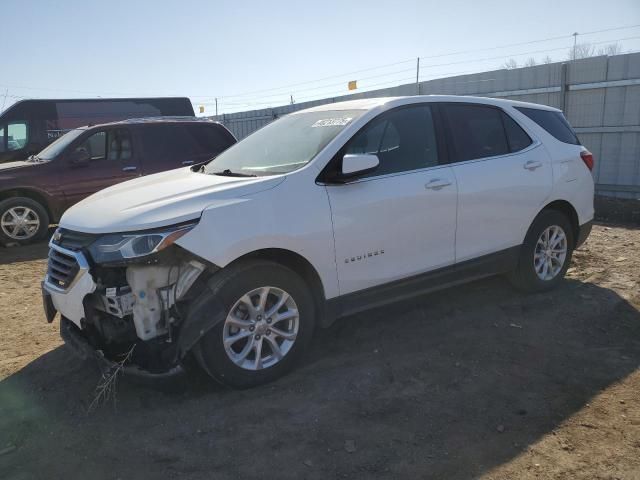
x=229, y=173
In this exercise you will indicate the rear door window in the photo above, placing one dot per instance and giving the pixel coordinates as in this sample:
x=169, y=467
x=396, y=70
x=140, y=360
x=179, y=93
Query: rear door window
x=475, y=131
x=553, y=122
x=119, y=144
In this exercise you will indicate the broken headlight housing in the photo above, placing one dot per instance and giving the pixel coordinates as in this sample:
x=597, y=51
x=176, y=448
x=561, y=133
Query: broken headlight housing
x=129, y=246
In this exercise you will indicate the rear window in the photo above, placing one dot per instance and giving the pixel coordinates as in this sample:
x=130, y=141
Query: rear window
x=552, y=122
x=210, y=138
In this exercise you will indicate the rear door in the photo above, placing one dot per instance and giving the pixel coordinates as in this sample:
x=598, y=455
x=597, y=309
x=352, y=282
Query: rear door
x=503, y=177
x=113, y=160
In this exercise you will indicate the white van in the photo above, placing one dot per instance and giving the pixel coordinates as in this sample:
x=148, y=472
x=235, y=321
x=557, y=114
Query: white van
x=322, y=213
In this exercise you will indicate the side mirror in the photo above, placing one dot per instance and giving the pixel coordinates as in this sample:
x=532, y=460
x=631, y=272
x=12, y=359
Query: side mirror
x=357, y=164
x=79, y=157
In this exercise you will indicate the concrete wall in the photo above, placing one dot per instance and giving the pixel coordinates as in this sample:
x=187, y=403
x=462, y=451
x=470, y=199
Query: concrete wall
x=600, y=97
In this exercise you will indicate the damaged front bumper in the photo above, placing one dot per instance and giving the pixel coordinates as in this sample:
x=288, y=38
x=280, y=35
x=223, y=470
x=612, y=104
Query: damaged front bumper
x=81, y=348
x=127, y=317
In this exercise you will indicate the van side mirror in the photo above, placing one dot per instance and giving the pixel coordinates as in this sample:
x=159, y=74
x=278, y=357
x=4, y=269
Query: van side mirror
x=79, y=157
x=357, y=164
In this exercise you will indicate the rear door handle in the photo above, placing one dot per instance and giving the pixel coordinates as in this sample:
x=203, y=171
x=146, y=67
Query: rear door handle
x=188, y=162
x=532, y=164
x=129, y=169
x=437, y=184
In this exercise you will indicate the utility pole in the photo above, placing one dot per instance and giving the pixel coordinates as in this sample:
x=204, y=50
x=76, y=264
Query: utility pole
x=575, y=44
x=216, y=106
x=292, y=102
x=418, y=76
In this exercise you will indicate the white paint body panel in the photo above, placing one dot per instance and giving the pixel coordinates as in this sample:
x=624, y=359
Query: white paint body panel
x=69, y=303
x=392, y=227
x=497, y=201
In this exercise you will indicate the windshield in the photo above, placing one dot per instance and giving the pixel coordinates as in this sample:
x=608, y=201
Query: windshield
x=53, y=150
x=284, y=145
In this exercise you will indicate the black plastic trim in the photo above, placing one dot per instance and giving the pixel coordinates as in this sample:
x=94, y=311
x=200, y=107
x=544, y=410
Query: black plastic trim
x=583, y=233
x=485, y=266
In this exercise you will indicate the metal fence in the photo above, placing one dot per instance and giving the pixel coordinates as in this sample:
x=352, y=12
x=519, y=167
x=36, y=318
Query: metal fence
x=600, y=96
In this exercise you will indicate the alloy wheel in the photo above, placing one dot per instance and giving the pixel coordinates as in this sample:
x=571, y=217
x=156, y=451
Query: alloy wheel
x=550, y=253
x=261, y=328
x=20, y=223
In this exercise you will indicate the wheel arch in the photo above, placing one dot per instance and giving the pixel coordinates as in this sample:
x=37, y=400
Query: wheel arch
x=31, y=194
x=567, y=209
x=298, y=264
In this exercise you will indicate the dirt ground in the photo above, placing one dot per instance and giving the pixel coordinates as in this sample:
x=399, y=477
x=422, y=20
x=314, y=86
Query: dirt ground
x=474, y=382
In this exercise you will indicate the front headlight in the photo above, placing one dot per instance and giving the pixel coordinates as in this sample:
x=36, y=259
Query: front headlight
x=124, y=247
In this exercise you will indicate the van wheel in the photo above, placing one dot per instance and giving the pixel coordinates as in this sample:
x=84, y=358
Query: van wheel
x=268, y=322
x=545, y=254
x=22, y=221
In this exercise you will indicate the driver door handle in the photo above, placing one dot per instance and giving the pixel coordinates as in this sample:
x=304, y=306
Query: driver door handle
x=532, y=165
x=437, y=184
x=130, y=169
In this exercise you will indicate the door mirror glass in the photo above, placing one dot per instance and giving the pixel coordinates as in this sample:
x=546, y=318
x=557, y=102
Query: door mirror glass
x=355, y=164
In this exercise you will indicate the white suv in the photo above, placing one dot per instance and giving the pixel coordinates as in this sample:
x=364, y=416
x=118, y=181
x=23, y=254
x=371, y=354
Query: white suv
x=323, y=213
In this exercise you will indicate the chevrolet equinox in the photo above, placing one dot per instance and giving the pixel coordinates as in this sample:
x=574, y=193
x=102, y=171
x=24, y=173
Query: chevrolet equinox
x=325, y=212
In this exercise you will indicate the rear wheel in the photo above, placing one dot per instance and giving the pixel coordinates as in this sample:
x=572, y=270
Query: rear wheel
x=269, y=321
x=545, y=254
x=22, y=221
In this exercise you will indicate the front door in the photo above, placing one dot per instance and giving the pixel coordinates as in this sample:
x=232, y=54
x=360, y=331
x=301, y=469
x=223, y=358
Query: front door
x=399, y=220
x=112, y=160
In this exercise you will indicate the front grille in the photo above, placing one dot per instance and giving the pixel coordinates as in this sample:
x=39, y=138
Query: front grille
x=72, y=240
x=62, y=269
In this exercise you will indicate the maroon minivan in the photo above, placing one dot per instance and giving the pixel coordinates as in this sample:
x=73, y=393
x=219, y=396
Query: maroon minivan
x=34, y=193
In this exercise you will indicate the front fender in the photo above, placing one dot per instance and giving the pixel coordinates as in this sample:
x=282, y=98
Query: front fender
x=204, y=313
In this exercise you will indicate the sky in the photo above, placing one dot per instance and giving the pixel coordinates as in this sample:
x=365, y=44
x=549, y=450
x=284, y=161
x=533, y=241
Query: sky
x=256, y=54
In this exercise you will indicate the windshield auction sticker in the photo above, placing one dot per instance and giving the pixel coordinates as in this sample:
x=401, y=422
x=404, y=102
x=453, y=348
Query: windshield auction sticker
x=332, y=122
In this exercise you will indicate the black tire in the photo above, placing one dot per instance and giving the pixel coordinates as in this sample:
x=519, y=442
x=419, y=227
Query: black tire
x=524, y=277
x=36, y=208
x=228, y=286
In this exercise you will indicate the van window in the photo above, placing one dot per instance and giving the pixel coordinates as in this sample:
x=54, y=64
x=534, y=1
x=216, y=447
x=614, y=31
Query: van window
x=553, y=122
x=167, y=141
x=516, y=136
x=95, y=145
x=403, y=139
x=13, y=136
x=119, y=143
x=209, y=138
x=475, y=131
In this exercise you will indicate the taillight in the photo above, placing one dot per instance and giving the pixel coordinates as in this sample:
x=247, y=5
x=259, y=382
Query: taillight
x=587, y=158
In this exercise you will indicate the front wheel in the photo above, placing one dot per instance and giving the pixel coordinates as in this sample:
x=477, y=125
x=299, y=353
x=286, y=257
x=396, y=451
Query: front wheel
x=269, y=320
x=22, y=221
x=545, y=254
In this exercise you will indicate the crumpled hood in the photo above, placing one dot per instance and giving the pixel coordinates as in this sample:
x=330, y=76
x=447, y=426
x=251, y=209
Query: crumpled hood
x=159, y=200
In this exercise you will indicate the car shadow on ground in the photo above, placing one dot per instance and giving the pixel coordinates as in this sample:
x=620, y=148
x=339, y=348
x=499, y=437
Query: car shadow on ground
x=448, y=385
